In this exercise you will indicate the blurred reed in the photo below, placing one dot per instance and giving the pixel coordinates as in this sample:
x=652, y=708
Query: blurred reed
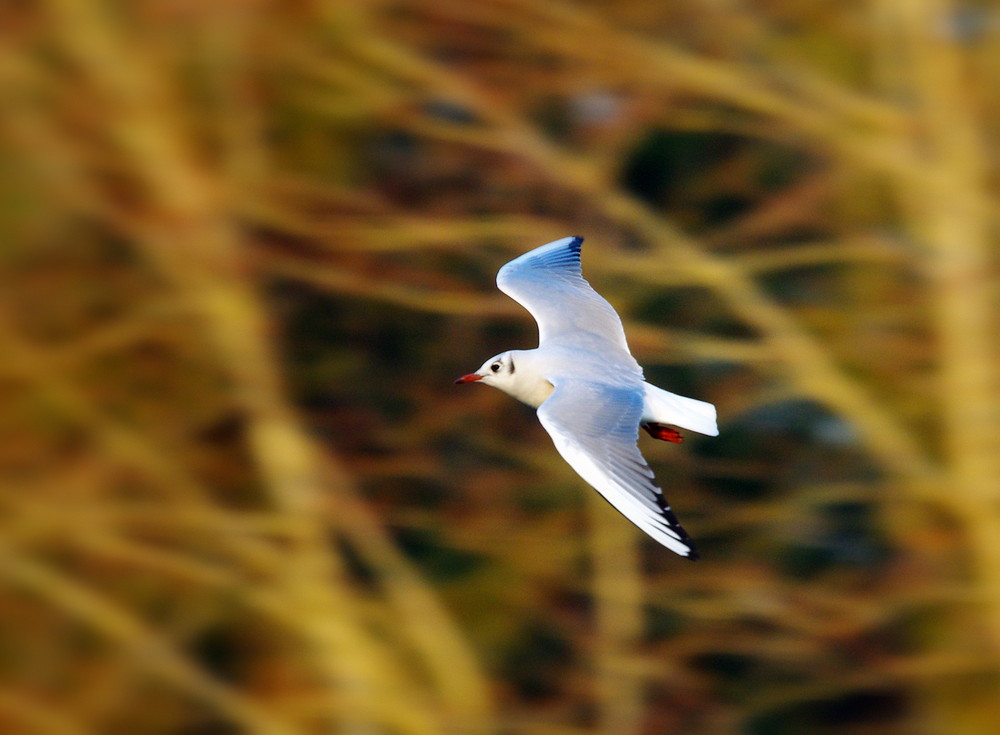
x=247, y=243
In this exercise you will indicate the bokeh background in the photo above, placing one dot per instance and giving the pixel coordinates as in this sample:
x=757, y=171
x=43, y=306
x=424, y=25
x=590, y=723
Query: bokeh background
x=246, y=246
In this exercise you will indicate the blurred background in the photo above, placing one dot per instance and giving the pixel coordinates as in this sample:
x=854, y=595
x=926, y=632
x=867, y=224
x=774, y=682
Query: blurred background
x=247, y=245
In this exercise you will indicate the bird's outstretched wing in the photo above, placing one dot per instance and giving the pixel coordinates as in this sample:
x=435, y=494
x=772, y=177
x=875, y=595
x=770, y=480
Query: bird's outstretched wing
x=548, y=282
x=595, y=428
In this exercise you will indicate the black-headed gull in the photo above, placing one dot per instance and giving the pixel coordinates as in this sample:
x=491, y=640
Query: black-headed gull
x=589, y=390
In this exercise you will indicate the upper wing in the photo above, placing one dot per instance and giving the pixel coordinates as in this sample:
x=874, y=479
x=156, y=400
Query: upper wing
x=595, y=427
x=547, y=281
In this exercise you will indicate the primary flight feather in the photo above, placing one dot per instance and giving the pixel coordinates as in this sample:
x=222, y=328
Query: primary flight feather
x=589, y=390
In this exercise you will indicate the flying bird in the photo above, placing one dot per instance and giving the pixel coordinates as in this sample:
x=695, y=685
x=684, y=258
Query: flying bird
x=589, y=391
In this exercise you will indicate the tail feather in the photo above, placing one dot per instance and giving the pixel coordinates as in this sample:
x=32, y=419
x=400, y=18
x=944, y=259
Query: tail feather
x=664, y=407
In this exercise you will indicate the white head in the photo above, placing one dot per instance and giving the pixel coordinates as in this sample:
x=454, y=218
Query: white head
x=498, y=371
x=516, y=373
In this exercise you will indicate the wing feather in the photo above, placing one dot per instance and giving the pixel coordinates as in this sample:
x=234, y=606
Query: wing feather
x=595, y=427
x=549, y=283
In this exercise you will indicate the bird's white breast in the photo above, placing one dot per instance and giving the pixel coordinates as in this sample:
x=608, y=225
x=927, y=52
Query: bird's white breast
x=533, y=392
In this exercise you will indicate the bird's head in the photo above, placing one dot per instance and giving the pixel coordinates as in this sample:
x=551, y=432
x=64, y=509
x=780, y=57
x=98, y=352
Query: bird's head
x=498, y=371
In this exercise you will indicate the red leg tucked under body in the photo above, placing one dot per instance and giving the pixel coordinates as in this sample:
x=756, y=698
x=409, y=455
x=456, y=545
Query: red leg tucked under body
x=664, y=432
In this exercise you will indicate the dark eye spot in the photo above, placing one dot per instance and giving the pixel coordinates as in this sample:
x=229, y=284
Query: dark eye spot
x=495, y=367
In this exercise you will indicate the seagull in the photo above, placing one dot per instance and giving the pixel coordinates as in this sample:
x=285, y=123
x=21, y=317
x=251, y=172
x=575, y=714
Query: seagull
x=589, y=391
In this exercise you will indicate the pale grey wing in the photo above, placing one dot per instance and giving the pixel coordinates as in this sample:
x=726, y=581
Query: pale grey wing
x=548, y=282
x=595, y=427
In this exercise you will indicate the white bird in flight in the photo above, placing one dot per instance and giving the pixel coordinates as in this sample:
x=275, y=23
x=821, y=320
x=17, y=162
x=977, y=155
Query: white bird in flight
x=589, y=390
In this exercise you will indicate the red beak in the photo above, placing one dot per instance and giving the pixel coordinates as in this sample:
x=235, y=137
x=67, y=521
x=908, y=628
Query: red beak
x=468, y=378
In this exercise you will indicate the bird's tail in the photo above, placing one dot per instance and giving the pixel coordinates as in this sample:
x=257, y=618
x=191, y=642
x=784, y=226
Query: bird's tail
x=664, y=407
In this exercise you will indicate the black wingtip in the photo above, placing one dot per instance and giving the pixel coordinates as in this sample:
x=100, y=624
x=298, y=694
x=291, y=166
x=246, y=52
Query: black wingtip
x=576, y=244
x=693, y=554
